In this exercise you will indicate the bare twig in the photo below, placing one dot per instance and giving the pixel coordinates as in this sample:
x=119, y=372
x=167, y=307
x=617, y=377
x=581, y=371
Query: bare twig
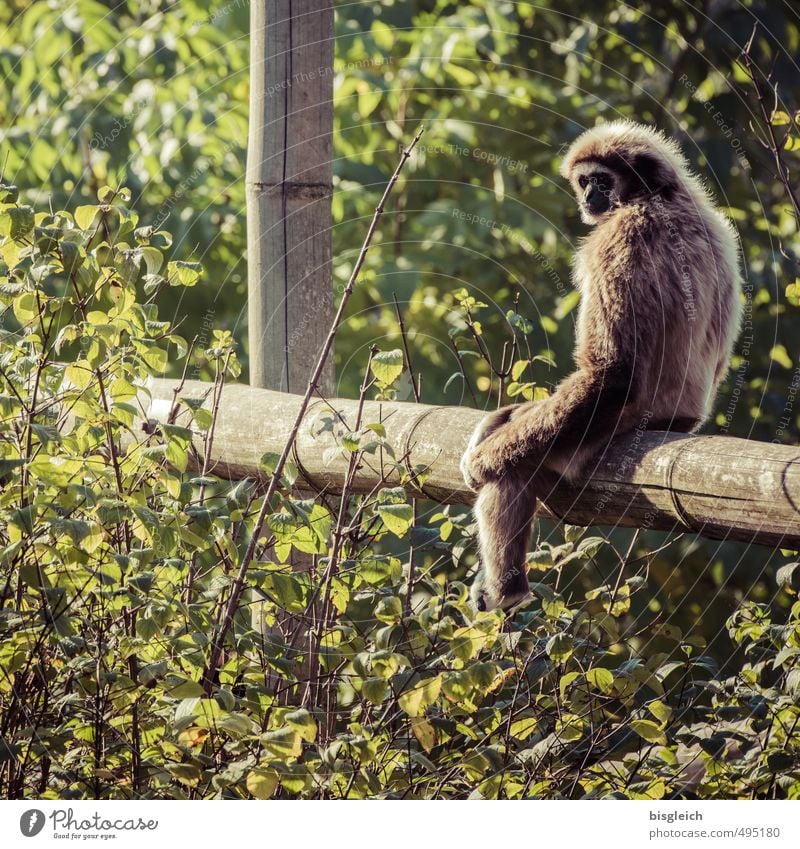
x=773, y=145
x=414, y=509
x=403, y=336
x=210, y=671
x=463, y=370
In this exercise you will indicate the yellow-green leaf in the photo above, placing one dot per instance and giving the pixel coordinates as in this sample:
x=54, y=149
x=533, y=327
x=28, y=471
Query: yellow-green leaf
x=424, y=732
x=415, y=701
x=559, y=647
x=396, y=517
x=600, y=679
x=661, y=711
x=780, y=355
x=261, y=783
x=387, y=366
x=649, y=731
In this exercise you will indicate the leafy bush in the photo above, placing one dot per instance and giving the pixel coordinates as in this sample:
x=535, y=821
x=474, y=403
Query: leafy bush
x=363, y=674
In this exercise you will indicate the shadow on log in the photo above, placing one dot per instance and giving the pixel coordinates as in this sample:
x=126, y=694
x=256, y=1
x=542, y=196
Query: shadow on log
x=717, y=486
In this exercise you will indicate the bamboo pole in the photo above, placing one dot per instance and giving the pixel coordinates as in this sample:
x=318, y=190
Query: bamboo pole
x=288, y=186
x=717, y=486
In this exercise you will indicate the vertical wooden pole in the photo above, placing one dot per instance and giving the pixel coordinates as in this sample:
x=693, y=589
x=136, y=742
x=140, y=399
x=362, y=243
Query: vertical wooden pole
x=289, y=184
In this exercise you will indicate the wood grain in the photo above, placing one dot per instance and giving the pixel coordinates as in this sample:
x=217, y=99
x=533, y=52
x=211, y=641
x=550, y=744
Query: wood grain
x=289, y=185
x=717, y=486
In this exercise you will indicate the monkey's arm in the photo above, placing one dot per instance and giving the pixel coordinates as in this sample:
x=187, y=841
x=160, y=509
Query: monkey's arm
x=583, y=412
x=615, y=344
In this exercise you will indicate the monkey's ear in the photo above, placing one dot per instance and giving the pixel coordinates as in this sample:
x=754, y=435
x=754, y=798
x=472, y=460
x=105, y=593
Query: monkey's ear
x=652, y=174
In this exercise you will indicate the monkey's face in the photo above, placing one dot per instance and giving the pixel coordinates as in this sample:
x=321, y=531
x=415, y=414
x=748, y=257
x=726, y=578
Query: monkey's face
x=597, y=191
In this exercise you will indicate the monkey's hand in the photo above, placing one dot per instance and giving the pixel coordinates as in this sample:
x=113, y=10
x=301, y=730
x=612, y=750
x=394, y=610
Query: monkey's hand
x=476, y=464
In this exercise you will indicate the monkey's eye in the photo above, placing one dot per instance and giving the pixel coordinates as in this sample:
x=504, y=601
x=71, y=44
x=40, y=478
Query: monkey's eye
x=583, y=181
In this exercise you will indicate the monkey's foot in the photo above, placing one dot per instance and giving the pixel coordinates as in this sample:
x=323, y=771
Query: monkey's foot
x=483, y=598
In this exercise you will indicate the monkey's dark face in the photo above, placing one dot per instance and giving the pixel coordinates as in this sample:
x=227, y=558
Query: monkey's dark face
x=597, y=191
x=603, y=185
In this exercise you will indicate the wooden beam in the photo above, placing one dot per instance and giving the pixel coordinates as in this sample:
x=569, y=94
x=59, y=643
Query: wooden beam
x=289, y=184
x=717, y=486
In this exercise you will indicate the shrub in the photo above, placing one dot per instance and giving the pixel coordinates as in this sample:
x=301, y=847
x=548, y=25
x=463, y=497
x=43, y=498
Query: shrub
x=365, y=673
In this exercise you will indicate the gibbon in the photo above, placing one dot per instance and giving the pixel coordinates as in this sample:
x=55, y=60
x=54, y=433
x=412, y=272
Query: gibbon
x=659, y=313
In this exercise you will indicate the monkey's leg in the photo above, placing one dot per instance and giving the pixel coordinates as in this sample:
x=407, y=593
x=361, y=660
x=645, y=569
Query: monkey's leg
x=504, y=513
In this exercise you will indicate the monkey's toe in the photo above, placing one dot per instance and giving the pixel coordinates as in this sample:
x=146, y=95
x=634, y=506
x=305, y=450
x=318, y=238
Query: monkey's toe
x=483, y=599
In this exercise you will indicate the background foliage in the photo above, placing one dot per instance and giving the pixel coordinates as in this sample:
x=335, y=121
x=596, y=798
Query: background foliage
x=649, y=665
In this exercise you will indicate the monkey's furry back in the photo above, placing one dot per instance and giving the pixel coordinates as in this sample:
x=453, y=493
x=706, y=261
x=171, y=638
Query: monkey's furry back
x=678, y=255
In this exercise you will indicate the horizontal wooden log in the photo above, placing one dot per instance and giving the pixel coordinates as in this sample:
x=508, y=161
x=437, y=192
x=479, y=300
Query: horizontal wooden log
x=717, y=486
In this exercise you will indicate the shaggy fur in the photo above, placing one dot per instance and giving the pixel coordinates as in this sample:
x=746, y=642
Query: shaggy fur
x=660, y=310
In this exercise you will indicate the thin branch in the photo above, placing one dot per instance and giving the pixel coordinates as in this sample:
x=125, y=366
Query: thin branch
x=774, y=146
x=403, y=336
x=210, y=672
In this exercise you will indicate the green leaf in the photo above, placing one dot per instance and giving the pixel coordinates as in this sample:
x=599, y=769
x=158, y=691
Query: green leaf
x=85, y=216
x=156, y=358
x=187, y=774
x=16, y=222
x=56, y=470
x=350, y=441
x=523, y=728
x=181, y=273
x=72, y=256
x=261, y=783
x=178, y=687
x=661, y=711
x=7, y=466
x=519, y=322
x=518, y=368
x=566, y=680
x=779, y=354
x=457, y=687
x=26, y=307
x=179, y=440
x=560, y=647
x=374, y=689
x=601, y=679
x=649, y=731
x=389, y=609
x=387, y=366
x=283, y=743
x=415, y=701
x=396, y=517
x=303, y=723
x=238, y=725
x=424, y=731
